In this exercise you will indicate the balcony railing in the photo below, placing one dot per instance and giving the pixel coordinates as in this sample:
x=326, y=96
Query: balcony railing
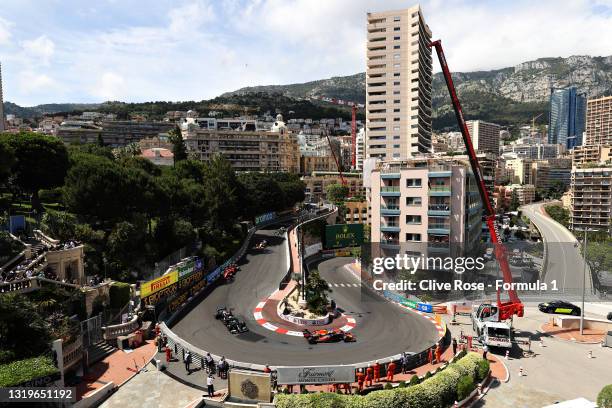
x=439, y=207
x=391, y=189
x=440, y=188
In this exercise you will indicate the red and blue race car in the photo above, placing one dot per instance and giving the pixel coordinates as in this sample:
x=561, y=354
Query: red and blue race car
x=328, y=336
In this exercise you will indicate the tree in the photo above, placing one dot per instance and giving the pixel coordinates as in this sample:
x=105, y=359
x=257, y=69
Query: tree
x=222, y=193
x=316, y=293
x=178, y=144
x=337, y=193
x=23, y=332
x=514, y=201
x=42, y=162
x=261, y=194
x=604, y=398
x=139, y=162
x=8, y=160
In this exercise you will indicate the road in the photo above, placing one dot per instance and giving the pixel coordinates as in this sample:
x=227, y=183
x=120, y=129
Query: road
x=564, y=262
x=383, y=329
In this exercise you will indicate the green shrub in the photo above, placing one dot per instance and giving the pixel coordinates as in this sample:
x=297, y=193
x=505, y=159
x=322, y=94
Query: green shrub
x=21, y=371
x=402, y=384
x=388, y=386
x=604, y=399
x=414, y=380
x=460, y=354
x=119, y=294
x=464, y=387
x=427, y=375
x=483, y=369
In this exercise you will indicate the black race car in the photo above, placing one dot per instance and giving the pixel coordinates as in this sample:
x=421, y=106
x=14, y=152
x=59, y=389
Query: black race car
x=559, y=307
x=230, y=321
x=328, y=336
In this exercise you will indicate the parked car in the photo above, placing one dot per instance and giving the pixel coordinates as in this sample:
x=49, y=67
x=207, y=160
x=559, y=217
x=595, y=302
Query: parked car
x=559, y=307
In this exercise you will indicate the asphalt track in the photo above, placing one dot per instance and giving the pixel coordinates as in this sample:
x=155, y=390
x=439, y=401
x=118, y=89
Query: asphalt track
x=383, y=328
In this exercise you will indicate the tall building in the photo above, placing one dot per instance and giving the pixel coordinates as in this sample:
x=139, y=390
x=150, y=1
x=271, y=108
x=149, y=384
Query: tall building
x=398, y=85
x=425, y=200
x=591, y=199
x=2, y=128
x=599, y=121
x=485, y=136
x=567, y=117
x=521, y=169
x=591, y=154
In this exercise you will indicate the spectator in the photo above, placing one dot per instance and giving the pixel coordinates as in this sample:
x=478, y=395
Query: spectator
x=187, y=360
x=454, y=346
x=485, y=350
x=210, y=386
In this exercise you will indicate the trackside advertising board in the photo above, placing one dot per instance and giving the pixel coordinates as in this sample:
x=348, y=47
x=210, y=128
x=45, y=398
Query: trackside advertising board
x=155, y=285
x=316, y=375
x=343, y=235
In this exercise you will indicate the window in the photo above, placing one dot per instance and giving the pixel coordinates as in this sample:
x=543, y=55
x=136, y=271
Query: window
x=396, y=65
x=396, y=56
x=396, y=82
x=396, y=74
x=396, y=128
x=396, y=28
x=413, y=183
x=413, y=219
x=396, y=146
x=396, y=47
x=396, y=155
x=394, y=92
x=396, y=38
x=396, y=18
x=396, y=137
x=396, y=110
x=413, y=201
x=396, y=101
x=413, y=237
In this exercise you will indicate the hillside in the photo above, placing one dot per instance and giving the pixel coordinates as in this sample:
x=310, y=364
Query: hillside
x=508, y=96
x=11, y=108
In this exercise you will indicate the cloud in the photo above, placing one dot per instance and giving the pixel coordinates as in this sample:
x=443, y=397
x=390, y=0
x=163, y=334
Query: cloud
x=41, y=48
x=31, y=82
x=109, y=86
x=5, y=31
x=190, y=16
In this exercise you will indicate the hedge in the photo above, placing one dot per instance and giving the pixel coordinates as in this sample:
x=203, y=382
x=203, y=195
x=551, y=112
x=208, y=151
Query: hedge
x=119, y=294
x=439, y=391
x=604, y=399
x=21, y=371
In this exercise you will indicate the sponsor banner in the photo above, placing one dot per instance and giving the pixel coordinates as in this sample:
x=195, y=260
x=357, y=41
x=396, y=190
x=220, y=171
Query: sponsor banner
x=155, y=285
x=263, y=218
x=185, y=268
x=316, y=375
x=343, y=235
x=211, y=277
x=424, y=307
x=342, y=252
x=400, y=299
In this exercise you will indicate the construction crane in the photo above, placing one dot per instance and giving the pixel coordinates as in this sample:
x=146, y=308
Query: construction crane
x=505, y=310
x=331, y=148
x=533, y=122
x=354, y=106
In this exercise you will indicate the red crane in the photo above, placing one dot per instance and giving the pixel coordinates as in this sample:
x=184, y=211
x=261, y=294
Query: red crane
x=514, y=306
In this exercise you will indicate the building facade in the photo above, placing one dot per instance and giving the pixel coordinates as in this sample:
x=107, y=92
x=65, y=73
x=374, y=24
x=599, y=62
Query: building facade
x=245, y=150
x=317, y=182
x=112, y=133
x=521, y=170
x=539, y=151
x=567, y=117
x=591, y=154
x=427, y=200
x=485, y=136
x=599, y=121
x=398, y=85
x=591, y=199
x=356, y=212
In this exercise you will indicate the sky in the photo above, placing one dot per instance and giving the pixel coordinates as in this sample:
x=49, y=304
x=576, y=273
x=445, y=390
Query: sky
x=151, y=50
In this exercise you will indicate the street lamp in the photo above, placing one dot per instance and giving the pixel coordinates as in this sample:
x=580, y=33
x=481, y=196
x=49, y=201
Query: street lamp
x=584, y=272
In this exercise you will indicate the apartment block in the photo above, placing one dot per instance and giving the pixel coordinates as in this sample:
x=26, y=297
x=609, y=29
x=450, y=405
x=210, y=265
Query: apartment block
x=485, y=136
x=356, y=211
x=567, y=117
x=425, y=200
x=539, y=151
x=398, y=85
x=591, y=154
x=599, y=121
x=115, y=133
x=591, y=199
x=245, y=150
x=546, y=173
x=521, y=170
x=317, y=182
x=502, y=197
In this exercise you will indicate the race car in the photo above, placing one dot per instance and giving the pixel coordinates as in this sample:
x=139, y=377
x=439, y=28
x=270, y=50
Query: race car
x=261, y=244
x=230, y=271
x=328, y=336
x=559, y=307
x=230, y=321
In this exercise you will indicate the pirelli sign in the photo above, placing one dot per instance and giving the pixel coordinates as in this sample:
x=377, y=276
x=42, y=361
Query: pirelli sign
x=155, y=285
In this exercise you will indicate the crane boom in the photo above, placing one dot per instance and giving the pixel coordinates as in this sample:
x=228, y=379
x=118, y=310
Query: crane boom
x=514, y=306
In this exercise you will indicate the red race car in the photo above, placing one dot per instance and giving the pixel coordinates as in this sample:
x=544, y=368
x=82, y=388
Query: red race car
x=328, y=336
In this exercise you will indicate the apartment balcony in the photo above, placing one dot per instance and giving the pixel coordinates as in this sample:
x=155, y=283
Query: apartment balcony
x=393, y=191
x=390, y=176
x=438, y=209
x=440, y=191
x=390, y=228
x=390, y=210
x=439, y=172
x=438, y=229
